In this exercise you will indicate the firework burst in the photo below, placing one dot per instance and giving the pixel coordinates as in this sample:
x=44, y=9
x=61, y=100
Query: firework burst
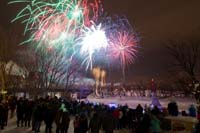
x=73, y=29
x=94, y=39
x=49, y=20
x=123, y=47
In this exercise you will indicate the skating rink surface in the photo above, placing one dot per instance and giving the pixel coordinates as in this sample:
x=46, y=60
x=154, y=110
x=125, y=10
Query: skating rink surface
x=132, y=102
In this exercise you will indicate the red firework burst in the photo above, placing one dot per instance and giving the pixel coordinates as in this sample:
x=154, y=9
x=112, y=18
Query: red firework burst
x=123, y=47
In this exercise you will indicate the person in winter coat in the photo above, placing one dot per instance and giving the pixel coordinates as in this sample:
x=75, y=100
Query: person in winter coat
x=144, y=125
x=28, y=113
x=2, y=113
x=83, y=123
x=95, y=123
x=77, y=124
x=5, y=111
x=192, y=111
x=121, y=115
x=173, y=109
x=38, y=117
x=116, y=115
x=156, y=111
x=48, y=118
x=20, y=112
x=108, y=122
x=139, y=112
x=62, y=120
x=155, y=125
x=12, y=105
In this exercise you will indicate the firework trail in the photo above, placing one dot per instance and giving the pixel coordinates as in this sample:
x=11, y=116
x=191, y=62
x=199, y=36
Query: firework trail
x=52, y=22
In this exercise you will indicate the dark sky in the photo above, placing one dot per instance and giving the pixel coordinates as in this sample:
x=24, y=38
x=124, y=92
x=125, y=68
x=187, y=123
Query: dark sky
x=156, y=21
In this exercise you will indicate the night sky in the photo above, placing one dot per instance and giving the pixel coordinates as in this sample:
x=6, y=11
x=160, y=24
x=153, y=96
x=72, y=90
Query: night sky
x=156, y=21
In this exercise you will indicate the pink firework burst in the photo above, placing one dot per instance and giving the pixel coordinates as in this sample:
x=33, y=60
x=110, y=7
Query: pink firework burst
x=123, y=47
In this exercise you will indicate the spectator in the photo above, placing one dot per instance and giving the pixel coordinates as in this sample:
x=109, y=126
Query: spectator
x=83, y=124
x=62, y=120
x=192, y=111
x=108, y=122
x=95, y=124
x=155, y=124
x=20, y=112
x=77, y=124
x=12, y=104
x=120, y=119
x=28, y=107
x=184, y=113
x=2, y=115
x=116, y=117
x=37, y=114
x=139, y=112
x=173, y=109
x=145, y=124
x=48, y=118
x=155, y=111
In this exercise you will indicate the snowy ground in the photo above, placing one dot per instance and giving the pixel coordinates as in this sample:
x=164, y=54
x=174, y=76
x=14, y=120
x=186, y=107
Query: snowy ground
x=132, y=102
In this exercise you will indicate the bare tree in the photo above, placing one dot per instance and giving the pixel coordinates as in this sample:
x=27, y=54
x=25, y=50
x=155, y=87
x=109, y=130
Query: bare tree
x=186, y=55
x=51, y=69
x=72, y=72
x=48, y=69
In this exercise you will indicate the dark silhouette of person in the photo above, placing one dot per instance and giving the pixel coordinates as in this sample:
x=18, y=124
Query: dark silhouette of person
x=95, y=123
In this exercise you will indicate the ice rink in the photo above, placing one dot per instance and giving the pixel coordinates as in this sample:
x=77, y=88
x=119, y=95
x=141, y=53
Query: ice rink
x=132, y=102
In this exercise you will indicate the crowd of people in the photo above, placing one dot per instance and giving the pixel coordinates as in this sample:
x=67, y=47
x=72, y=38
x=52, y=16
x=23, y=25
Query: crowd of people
x=86, y=116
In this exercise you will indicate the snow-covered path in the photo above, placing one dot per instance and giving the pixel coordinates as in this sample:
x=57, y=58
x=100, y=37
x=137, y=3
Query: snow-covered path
x=132, y=102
